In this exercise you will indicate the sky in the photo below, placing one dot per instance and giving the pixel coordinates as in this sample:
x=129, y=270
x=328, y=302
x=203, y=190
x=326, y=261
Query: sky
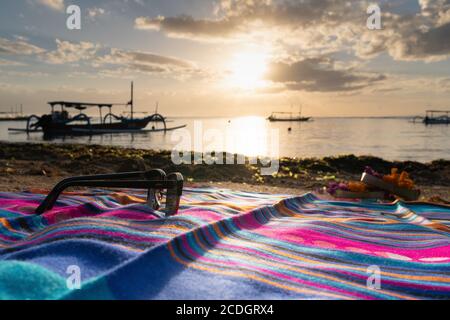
x=229, y=57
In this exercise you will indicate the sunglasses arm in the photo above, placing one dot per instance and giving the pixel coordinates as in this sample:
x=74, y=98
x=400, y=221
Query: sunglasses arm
x=155, y=179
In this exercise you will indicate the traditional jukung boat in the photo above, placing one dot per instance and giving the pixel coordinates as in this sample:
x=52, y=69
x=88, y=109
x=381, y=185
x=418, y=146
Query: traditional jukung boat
x=287, y=116
x=437, y=117
x=60, y=123
x=13, y=115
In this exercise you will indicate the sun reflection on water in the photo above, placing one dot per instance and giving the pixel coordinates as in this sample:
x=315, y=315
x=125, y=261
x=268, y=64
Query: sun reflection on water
x=248, y=135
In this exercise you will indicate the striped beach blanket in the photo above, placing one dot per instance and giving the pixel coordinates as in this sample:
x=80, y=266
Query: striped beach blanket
x=222, y=245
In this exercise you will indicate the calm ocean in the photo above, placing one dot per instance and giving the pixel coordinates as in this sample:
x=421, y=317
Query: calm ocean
x=389, y=138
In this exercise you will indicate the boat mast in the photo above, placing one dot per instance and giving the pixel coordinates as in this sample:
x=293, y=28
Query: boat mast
x=131, y=101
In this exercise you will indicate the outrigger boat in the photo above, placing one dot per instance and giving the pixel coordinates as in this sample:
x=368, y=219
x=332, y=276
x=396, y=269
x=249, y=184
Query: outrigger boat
x=13, y=115
x=279, y=116
x=288, y=116
x=60, y=123
x=437, y=117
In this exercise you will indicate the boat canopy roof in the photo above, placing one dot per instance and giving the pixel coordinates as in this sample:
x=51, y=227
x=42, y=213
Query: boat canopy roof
x=79, y=105
x=285, y=112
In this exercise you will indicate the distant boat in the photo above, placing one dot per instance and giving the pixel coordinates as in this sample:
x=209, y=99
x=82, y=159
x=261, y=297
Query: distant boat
x=288, y=116
x=13, y=115
x=437, y=117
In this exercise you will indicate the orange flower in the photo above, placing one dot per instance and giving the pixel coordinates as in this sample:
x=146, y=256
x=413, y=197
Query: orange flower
x=401, y=180
x=356, y=186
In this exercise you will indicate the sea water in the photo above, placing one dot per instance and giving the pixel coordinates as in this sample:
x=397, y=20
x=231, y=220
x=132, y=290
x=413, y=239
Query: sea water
x=388, y=138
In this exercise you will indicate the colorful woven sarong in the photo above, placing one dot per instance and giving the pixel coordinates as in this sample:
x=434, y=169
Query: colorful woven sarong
x=222, y=245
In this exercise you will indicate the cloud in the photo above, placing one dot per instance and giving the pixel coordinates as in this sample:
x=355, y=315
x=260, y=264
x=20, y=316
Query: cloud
x=95, y=12
x=140, y=57
x=437, y=8
x=319, y=75
x=417, y=84
x=146, y=62
x=67, y=52
x=320, y=25
x=187, y=27
x=23, y=74
x=444, y=84
x=57, y=5
x=18, y=46
x=422, y=36
x=240, y=16
x=433, y=44
x=10, y=63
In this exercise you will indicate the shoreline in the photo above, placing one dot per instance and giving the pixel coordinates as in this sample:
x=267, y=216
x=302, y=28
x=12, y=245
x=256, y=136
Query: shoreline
x=25, y=166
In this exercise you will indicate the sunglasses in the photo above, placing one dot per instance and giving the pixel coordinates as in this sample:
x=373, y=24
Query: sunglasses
x=155, y=181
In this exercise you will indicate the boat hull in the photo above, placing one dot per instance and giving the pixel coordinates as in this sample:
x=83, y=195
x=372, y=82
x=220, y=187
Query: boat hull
x=443, y=120
x=61, y=129
x=300, y=119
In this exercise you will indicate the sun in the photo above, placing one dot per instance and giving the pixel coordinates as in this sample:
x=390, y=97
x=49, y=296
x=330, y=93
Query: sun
x=248, y=69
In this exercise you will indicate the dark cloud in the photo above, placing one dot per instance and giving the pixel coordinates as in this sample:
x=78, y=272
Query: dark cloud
x=319, y=75
x=430, y=43
x=187, y=27
x=238, y=16
x=422, y=35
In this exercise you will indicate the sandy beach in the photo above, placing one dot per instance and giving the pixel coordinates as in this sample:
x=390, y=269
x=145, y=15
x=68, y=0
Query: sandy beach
x=40, y=165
